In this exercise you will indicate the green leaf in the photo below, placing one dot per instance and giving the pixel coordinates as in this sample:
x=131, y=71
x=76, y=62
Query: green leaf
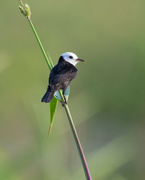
x=53, y=105
x=66, y=94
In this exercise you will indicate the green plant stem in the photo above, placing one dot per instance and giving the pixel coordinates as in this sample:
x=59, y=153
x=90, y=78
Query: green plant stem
x=77, y=141
x=79, y=147
x=50, y=65
x=40, y=44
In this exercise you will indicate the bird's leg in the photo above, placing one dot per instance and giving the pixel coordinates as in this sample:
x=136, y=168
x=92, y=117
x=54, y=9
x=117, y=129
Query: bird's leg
x=65, y=101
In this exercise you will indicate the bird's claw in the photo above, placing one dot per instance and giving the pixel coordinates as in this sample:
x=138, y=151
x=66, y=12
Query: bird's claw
x=63, y=103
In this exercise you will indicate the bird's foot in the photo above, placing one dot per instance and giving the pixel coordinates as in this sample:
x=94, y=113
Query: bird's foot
x=63, y=103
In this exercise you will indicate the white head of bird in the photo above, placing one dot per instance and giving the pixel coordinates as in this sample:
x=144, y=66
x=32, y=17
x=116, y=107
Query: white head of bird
x=71, y=58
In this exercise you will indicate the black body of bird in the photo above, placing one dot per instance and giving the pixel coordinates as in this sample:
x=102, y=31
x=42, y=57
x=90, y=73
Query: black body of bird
x=61, y=75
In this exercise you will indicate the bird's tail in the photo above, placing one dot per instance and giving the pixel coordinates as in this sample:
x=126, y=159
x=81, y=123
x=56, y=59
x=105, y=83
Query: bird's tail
x=48, y=95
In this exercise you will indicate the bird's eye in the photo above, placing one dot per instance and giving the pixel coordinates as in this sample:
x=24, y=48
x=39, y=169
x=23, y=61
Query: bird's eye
x=70, y=57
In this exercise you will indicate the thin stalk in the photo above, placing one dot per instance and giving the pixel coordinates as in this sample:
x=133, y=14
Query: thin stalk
x=40, y=44
x=50, y=60
x=77, y=141
x=50, y=65
x=79, y=147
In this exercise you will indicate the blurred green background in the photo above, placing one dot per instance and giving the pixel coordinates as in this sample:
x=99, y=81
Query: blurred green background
x=107, y=99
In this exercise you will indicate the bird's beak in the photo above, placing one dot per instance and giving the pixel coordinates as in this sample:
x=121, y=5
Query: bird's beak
x=78, y=59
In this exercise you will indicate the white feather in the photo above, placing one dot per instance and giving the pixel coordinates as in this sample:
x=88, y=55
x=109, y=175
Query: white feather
x=66, y=56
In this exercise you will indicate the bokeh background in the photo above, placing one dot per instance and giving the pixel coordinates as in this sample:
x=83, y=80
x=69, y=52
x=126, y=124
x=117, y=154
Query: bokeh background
x=107, y=100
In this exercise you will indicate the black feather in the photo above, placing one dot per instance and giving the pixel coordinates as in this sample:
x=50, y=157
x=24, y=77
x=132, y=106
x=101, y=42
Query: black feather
x=48, y=95
x=60, y=77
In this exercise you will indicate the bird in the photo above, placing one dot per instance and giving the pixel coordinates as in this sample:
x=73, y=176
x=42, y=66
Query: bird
x=61, y=75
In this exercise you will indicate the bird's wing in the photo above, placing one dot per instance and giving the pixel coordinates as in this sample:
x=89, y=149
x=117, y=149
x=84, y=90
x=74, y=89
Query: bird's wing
x=62, y=72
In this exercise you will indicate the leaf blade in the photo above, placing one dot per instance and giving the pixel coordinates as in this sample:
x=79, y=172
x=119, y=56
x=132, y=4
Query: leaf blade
x=53, y=105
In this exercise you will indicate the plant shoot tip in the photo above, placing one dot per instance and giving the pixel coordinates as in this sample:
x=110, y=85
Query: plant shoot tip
x=25, y=10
